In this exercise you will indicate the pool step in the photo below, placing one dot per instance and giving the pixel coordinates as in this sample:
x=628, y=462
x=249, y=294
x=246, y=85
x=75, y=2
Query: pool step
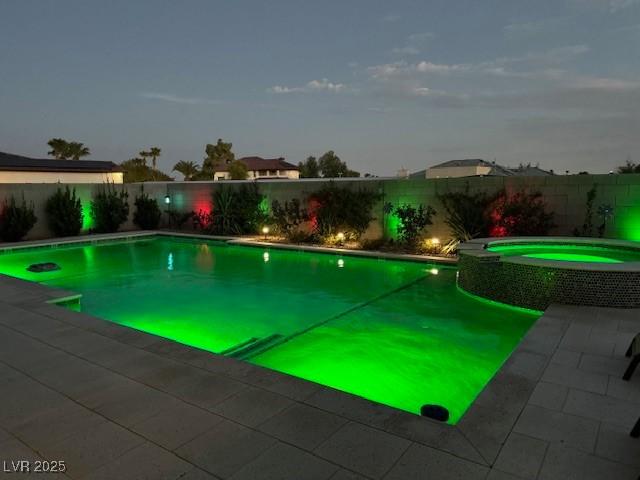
x=253, y=346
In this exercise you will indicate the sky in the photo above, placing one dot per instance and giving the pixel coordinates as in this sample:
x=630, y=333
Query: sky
x=386, y=85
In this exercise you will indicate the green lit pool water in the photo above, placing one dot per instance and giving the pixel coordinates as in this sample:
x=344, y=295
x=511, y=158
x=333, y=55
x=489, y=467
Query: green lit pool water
x=399, y=333
x=568, y=253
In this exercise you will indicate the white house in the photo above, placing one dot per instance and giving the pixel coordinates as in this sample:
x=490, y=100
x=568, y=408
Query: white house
x=261, y=168
x=19, y=169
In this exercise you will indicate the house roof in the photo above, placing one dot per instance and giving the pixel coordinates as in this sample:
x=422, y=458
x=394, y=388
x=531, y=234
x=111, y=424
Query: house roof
x=531, y=171
x=12, y=162
x=467, y=162
x=261, y=164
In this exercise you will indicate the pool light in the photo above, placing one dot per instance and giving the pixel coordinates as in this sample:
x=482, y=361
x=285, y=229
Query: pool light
x=265, y=257
x=340, y=263
x=434, y=271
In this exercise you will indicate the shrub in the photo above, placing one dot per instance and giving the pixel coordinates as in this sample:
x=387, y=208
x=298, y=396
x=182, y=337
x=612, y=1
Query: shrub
x=334, y=210
x=412, y=222
x=587, y=226
x=109, y=209
x=64, y=213
x=288, y=217
x=520, y=214
x=147, y=214
x=16, y=220
x=177, y=220
x=465, y=213
x=234, y=212
x=496, y=215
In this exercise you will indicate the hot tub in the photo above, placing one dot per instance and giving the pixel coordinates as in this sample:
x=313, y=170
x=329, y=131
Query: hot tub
x=533, y=272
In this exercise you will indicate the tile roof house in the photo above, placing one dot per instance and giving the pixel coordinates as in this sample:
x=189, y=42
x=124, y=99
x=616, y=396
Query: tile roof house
x=475, y=167
x=261, y=168
x=19, y=169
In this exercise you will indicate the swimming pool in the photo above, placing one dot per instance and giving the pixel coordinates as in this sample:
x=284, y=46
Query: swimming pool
x=395, y=332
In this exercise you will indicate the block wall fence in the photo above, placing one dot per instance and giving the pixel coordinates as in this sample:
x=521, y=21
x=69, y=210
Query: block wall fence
x=565, y=196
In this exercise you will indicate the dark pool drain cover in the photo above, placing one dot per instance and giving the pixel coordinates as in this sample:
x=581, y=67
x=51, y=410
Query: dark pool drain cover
x=437, y=412
x=43, y=267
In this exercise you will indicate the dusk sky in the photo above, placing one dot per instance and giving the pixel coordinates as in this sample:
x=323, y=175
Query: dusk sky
x=385, y=84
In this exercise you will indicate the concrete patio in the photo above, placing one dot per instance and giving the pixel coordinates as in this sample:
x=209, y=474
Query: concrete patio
x=117, y=403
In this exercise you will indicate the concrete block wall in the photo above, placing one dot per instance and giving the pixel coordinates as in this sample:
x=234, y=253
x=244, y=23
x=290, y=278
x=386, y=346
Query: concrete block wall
x=564, y=195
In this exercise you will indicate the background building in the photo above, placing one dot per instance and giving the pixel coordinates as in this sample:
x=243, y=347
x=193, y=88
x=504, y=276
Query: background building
x=258, y=168
x=19, y=169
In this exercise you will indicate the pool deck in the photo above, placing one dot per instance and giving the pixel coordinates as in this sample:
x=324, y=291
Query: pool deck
x=113, y=402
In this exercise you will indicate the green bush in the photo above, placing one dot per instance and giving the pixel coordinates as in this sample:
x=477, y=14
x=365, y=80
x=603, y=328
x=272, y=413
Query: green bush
x=288, y=217
x=109, y=209
x=147, y=214
x=235, y=211
x=64, y=213
x=412, y=222
x=16, y=220
x=334, y=209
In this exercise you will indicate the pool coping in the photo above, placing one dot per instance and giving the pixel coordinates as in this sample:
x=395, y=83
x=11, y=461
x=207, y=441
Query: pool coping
x=477, y=248
x=478, y=437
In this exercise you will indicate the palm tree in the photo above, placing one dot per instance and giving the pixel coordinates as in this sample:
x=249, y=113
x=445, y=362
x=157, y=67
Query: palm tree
x=144, y=154
x=188, y=169
x=59, y=148
x=154, y=153
x=75, y=150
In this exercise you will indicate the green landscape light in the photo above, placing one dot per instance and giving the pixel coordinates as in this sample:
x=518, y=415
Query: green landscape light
x=167, y=199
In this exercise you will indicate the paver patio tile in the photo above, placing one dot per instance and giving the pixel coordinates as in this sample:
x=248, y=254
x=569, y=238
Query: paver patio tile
x=549, y=395
x=562, y=463
x=568, y=358
x=521, y=456
x=605, y=365
x=92, y=447
x=575, y=378
x=252, y=406
x=495, y=474
x=284, y=462
x=302, y=425
x=225, y=449
x=205, y=389
x=487, y=429
x=174, y=426
x=625, y=390
x=146, y=461
x=343, y=474
x=615, y=443
x=363, y=449
x=552, y=426
x=425, y=462
x=601, y=407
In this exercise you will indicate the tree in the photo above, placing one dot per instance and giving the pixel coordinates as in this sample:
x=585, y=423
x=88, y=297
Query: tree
x=64, y=150
x=75, y=150
x=218, y=154
x=137, y=170
x=154, y=153
x=629, y=167
x=188, y=169
x=332, y=167
x=58, y=148
x=238, y=170
x=309, y=168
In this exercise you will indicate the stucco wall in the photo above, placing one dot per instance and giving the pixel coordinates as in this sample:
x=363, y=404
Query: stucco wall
x=565, y=195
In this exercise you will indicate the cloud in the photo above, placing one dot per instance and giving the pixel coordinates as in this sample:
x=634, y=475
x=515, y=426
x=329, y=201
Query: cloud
x=168, y=97
x=502, y=67
x=323, y=85
x=536, y=26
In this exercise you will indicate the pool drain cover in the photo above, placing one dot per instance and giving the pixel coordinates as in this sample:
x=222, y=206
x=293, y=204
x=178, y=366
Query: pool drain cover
x=43, y=267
